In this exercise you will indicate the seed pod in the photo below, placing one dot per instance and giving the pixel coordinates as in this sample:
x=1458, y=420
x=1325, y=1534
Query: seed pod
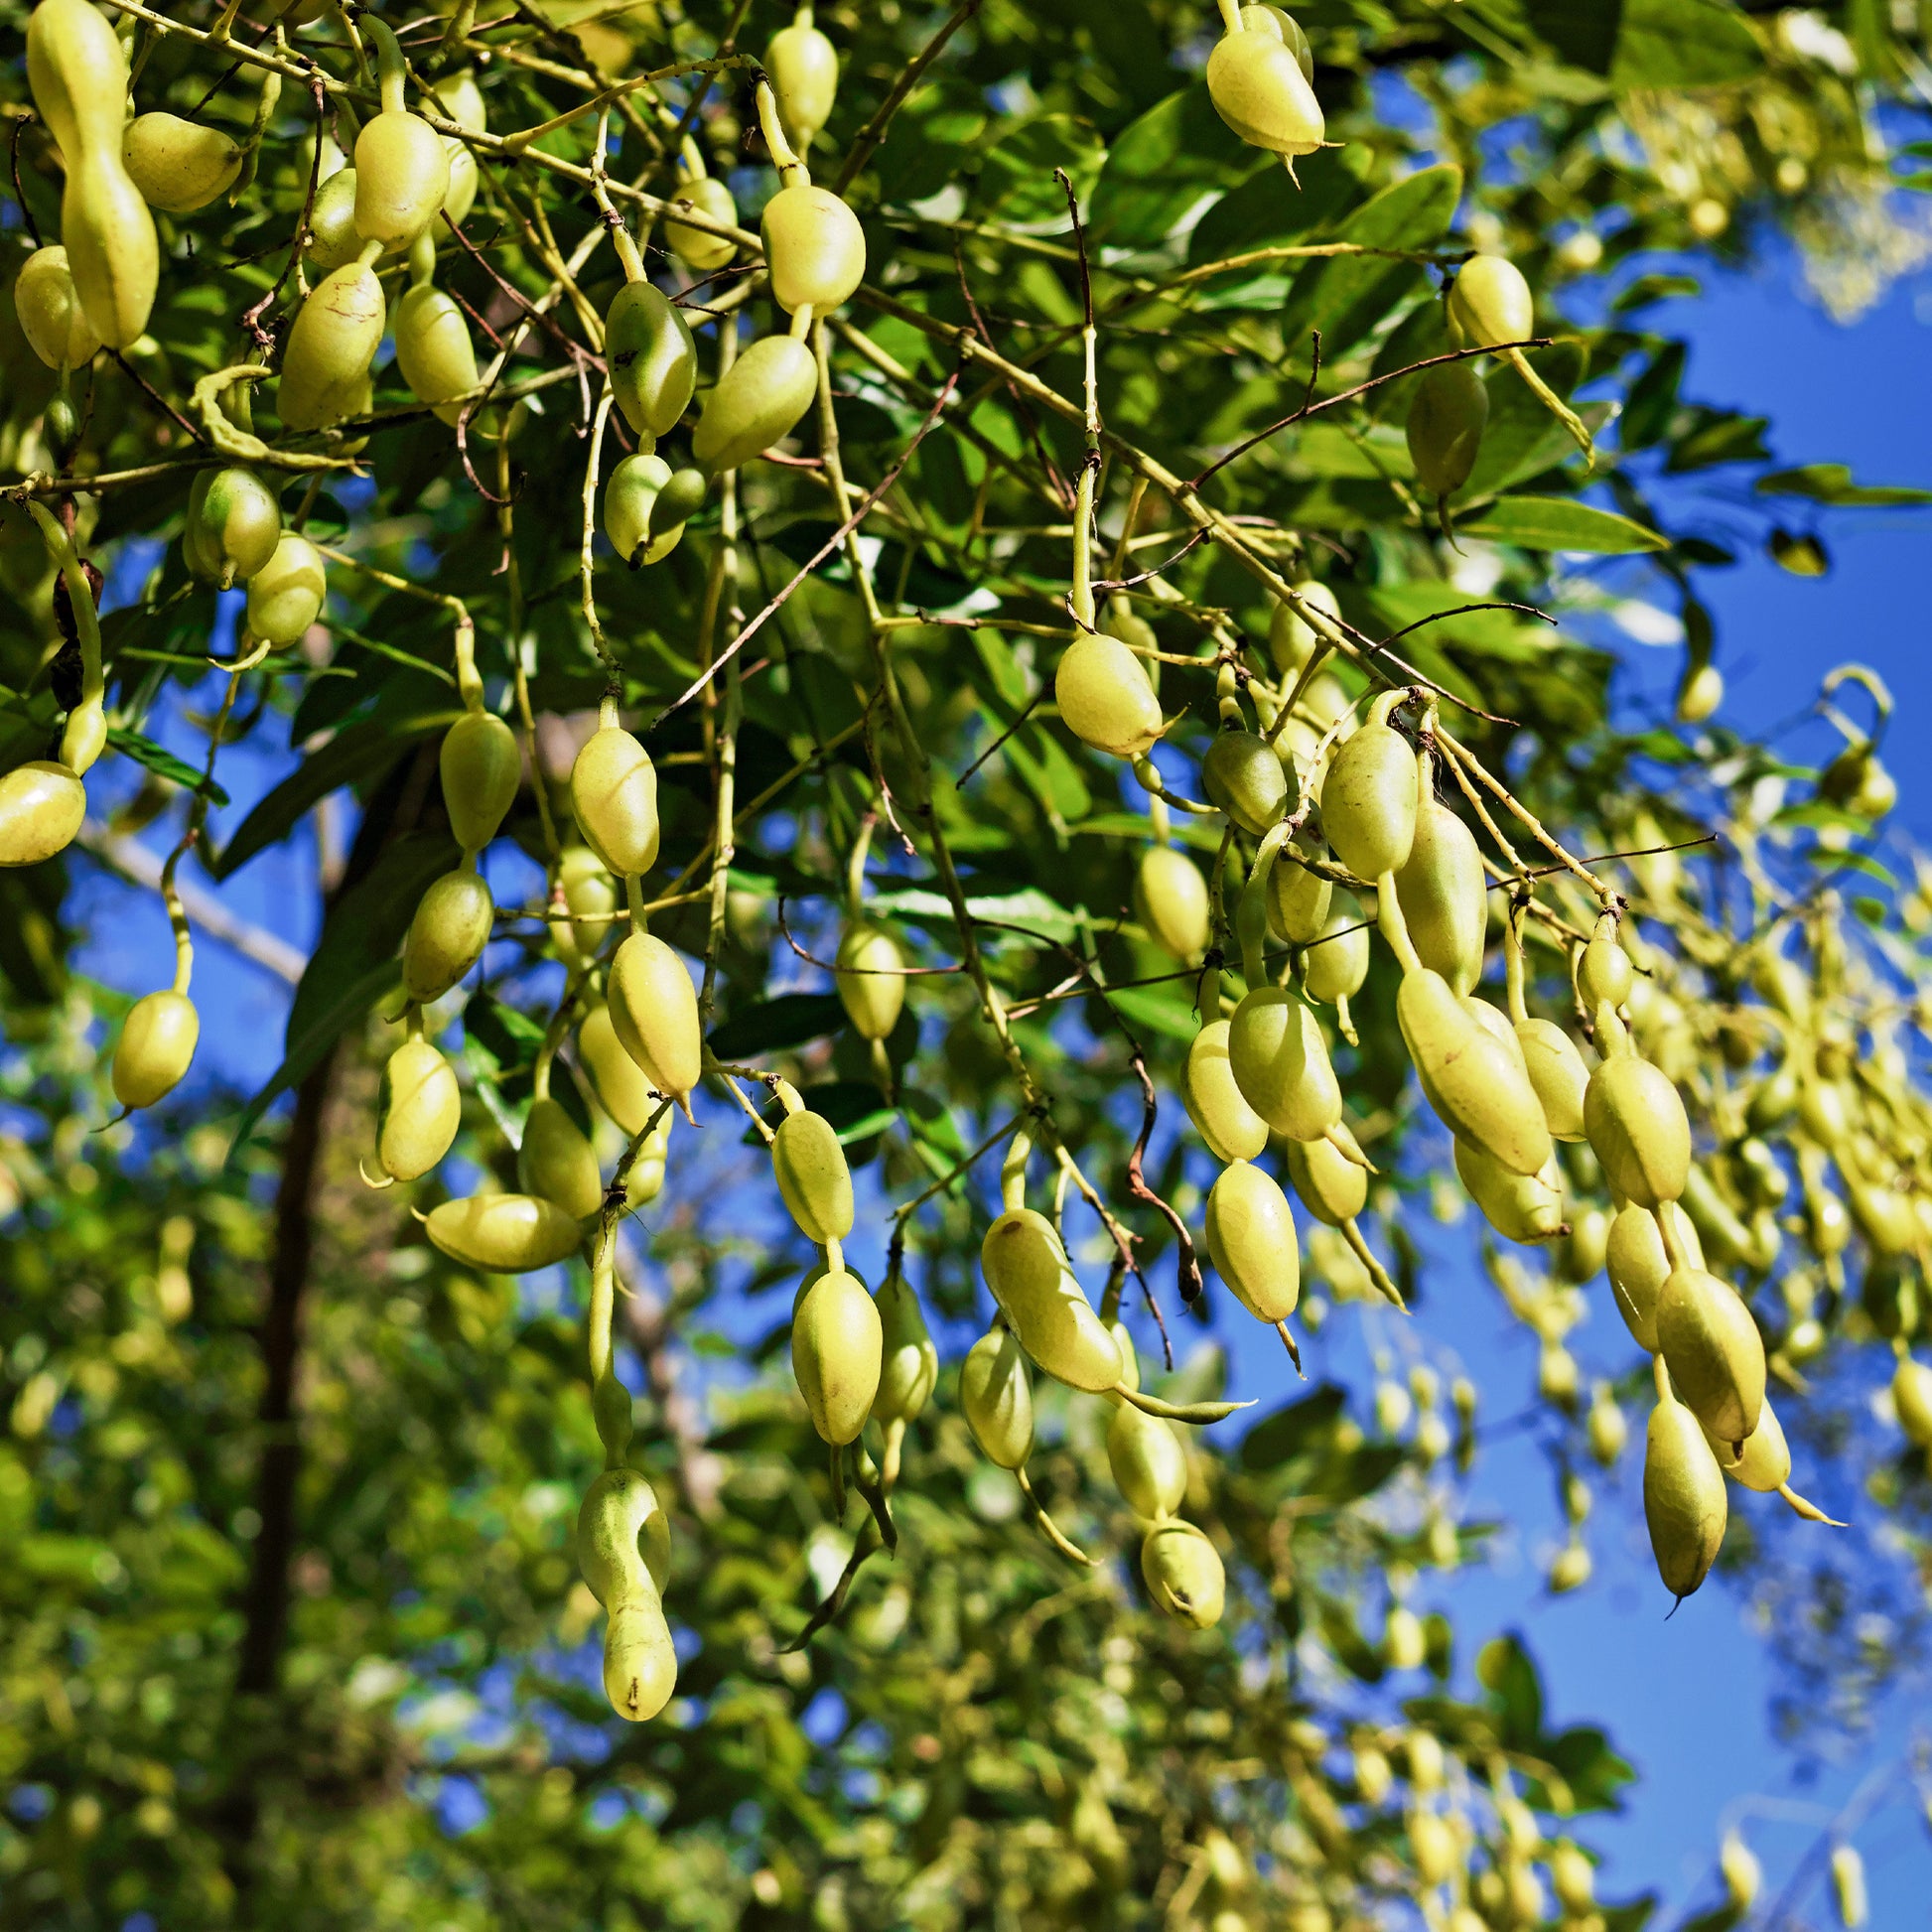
x=462, y=100
x=1885, y=1216
x=1490, y=302
x=630, y=507
x=1911, y=1400
x=1442, y=891
x=1475, y=1083
x=813, y=1178
x=814, y=250
x=42, y=805
x=448, y=934
x=758, y=402
x=402, y=173
x=1182, y=1568
x=1714, y=1352
x=1743, y=1874
x=623, y=1549
x=1605, y=975
x=640, y=1661
x=111, y=246
x=1298, y=900
x=1027, y=1269
x=1638, y=1265
x=1558, y=1073
x=1209, y=1091
x=51, y=316
x=1251, y=1241
x=645, y=1180
x=506, y=1234
x=1433, y=1846
x=676, y=504
x=871, y=984
x=621, y=1086
x=1332, y=1187
x=1339, y=964
x=178, y=165
x=1149, y=1463
x=1585, y=1245
x=1520, y=1207
x=1682, y=1498
x=1370, y=797
x=285, y=595
x=591, y=893
x=1848, y=1887
x=1606, y=1428
x=837, y=1345
x=233, y=525
x=1404, y=1645
x=614, y=797
x=79, y=73
x=1446, y=418
x=1104, y=697
x=1258, y=89
x=330, y=347
x=155, y=1048
x=1700, y=694
x=1242, y=776
x=1292, y=640
x=556, y=1162
x=805, y=69
x=1170, y=901
x=996, y=1396
x=333, y=238
x=480, y=767
x=434, y=350
x=1763, y=1462
x=419, y=1111
x=910, y=1360
x=1281, y=1064
x=694, y=247
x=654, y=1008
x=1638, y=1129
x=653, y=360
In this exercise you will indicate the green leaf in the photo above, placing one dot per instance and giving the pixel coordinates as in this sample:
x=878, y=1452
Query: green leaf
x=1017, y=172
x=1560, y=523
x=1300, y=1425
x=165, y=764
x=1163, y=166
x=1831, y=483
x=1164, y=1010
x=776, y=1026
x=1522, y=439
x=1683, y=44
x=856, y=1109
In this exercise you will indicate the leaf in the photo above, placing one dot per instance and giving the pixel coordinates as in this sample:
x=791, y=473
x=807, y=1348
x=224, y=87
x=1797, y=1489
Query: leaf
x=1031, y=909
x=163, y=763
x=1164, y=1010
x=1161, y=167
x=1713, y=436
x=1831, y=483
x=1522, y=439
x=1560, y=523
x=1307, y=1424
x=776, y=1026
x=1683, y=44
x=1017, y=172
x=856, y=1109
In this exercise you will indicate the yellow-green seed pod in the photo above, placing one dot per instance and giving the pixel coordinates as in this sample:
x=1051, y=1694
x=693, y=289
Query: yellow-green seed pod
x=1585, y=1245
x=812, y=1175
x=1104, y=697
x=1243, y=777
x=1911, y=1400
x=1339, y=964
x=112, y=250
x=1559, y=1074
x=1573, y=1878
x=77, y=71
x=285, y=595
x=1743, y=1874
x=909, y=1365
x=480, y=767
x=1370, y=797
x=814, y=250
x=869, y=974
x=434, y=350
x=42, y=805
x=156, y=1046
x=1446, y=417
x=1714, y=1352
x=1027, y=1269
x=1170, y=901
x=1606, y=1428
x=996, y=1396
x=462, y=100
x=1605, y=975
x=330, y=347
x=1251, y=1241
x=1849, y=1888
x=1490, y=302
x=1292, y=640
x=694, y=247
x=623, y=1549
x=1149, y=1462
x=1700, y=693
x=1682, y=1498
x=51, y=319
x=1332, y=1187
x=1639, y=1265
x=653, y=358
x=1182, y=1570
x=591, y=895
x=1520, y=1207
x=614, y=797
x=1885, y=1216
x=448, y=934
x=178, y=165
x=1281, y=1064
x=1638, y=1129
x=645, y=1180
x=630, y=501
x=1258, y=89
x=1764, y=1462
x=418, y=1112
x=556, y=1162
x=402, y=173
x=805, y=69
x=654, y=1008
x=837, y=1351
x=1442, y=894
x=758, y=403
x=506, y=1234
x=333, y=240
x=622, y=1089
x=1298, y=900
x=1434, y=1849
x=233, y=525
x=1232, y=1130
x=1477, y=1083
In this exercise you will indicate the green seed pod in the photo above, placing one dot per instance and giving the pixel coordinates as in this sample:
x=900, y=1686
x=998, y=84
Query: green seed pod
x=1775, y=1100
x=1558, y=1073
x=1911, y=1400
x=155, y=1048
x=1724, y=1235
x=1605, y=976
x=645, y=1180
x=759, y=402
x=1763, y=1463
x=623, y=1549
x=1149, y=1462
x=653, y=360
x=812, y=1175
x=621, y=1086
x=178, y=165
x=837, y=1350
x=910, y=1361
x=1639, y=1265
x=1885, y=1216
x=654, y=1008
x=1180, y=1565
x=1434, y=1849
x=1232, y=1130
x=462, y=100
x=505, y=1234
x=1682, y=1498
x=676, y=504
x=1292, y=640
x=805, y=69
x=996, y=1396
x=448, y=934
x=112, y=250
x=79, y=73
x=402, y=173
x=233, y=525
x=481, y=768
x=1281, y=1064
x=1638, y=1129
x=1170, y=901
x=1442, y=893
x=1606, y=1430
x=1586, y=1244
x=51, y=319
x=1242, y=776
x=1104, y=697
x=1369, y=800
x=870, y=978
x=419, y=1111
x=1700, y=694
x=614, y=797
x=1714, y=1352
x=591, y=893
x=556, y=1163
x=333, y=239
x=814, y=250
x=1298, y=901
x=1330, y=1186
x=1258, y=89
x=330, y=347
x=1446, y=418
x=285, y=595
x=1490, y=302
x=1476, y=1081
x=1251, y=1241
x=434, y=350
x=629, y=503
x=1338, y=965
x=1027, y=1269
x=695, y=249
x=1520, y=1207
x=42, y=805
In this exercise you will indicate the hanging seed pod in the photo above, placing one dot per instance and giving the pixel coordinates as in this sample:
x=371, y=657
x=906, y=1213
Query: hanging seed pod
x=79, y=73
x=1104, y=697
x=1170, y=901
x=1682, y=1498
x=1441, y=891
x=1559, y=1074
x=1605, y=975
x=1258, y=89
x=645, y=1180
x=1638, y=1129
x=1700, y=694
x=333, y=238
x=652, y=359
x=654, y=1008
x=1639, y=1265
x=1490, y=302
x=1370, y=797
x=1251, y=1241
x=759, y=402
x=1763, y=1462
x=1149, y=1462
x=867, y=972
x=623, y=1549
x=1848, y=1887
x=42, y=805
x=1232, y=1130
x=461, y=102
x=996, y=1396
x=1338, y=963
x=694, y=247
x=814, y=250
x=1281, y=1064
x=1244, y=777
x=1743, y=1874
x=1475, y=1082
x=630, y=507
x=447, y=936
x=622, y=1090
x=51, y=316
x=285, y=595
x=1292, y=640
x=1714, y=1352
x=1911, y=1400
x=402, y=177
x=1332, y=1187
x=811, y=1170
x=803, y=67
x=434, y=350
x=1298, y=900
x=1586, y=1244
x=330, y=347
x=614, y=798
x=910, y=1360
x=591, y=895
x=480, y=767
x=1446, y=418
x=1182, y=1568
x=556, y=1163
x=837, y=1349
x=418, y=1112
x=678, y=500
x=233, y=525
x=1605, y=1429
x=156, y=1046
x=1028, y=1272
x=506, y=1234
x=1520, y=1207
x=178, y=165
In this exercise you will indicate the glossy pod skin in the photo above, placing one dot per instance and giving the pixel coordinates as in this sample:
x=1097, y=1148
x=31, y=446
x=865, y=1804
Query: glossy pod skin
x=334, y=240
x=1292, y=640
x=1243, y=777
x=654, y=1008
x=629, y=502
x=1281, y=1064
x=1258, y=89
x=1027, y=1269
x=813, y=1178
x=805, y=69
x=623, y=1549
x=1638, y=1129
x=111, y=246
x=760, y=400
x=1370, y=800
x=285, y=595
x=910, y=1360
x=1330, y=1186
x=1298, y=901
x=694, y=247
x=447, y=936
x=1232, y=1130
x=1911, y=1400
x=402, y=173
x=1443, y=894
x=1763, y=1461
x=590, y=896
x=1714, y=1352
x=418, y=1113
x=872, y=988
x=1104, y=697
x=178, y=165
x=837, y=1353
x=814, y=250
x=1183, y=1571
x=1684, y=1502
x=434, y=350
x=1170, y=901
x=79, y=75
x=653, y=360
x=42, y=805
x=156, y=1046
x=556, y=1163
x=1521, y=1208
x=330, y=347
x=1558, y=1073
x=1638, y=1265
x=614, y=798
x=1148, y=1460
x=480, y=767
x=1251, y=1241
x=1477, y=1083
x=1336, y=968
x=1490, y=302
x=233, y=525
x=508, y=1234
x=996, y=1396
x=621, y=1088
x=1446, y=418
x=51, y=315
x=462, y=100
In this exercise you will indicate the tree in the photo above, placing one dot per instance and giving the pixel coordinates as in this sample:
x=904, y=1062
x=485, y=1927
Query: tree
x=1100, y=462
